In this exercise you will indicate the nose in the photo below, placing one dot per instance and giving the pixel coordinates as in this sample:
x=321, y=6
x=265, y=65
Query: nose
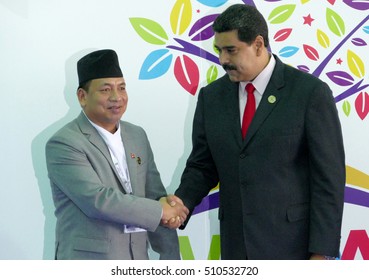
x=114, y=95
x=223, y=58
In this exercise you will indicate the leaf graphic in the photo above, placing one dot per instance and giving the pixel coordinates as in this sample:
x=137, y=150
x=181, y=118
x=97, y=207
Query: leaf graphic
x=358, y=42
x=335, y=22
x=156, y=64
x=281, y=13
x=288, y=51
x=282, y=34
x=346, y=107
x=362, y=105
x=311, y=52
x=340, y=78
x=202, y=29
x=211, y=74
x=366, y=29
x=355, y=64
x=187, y=73
x=323, y=38
x=149, y=30
x=181, y=16
x=303, y=68
x=212, y=3
x=358, y=5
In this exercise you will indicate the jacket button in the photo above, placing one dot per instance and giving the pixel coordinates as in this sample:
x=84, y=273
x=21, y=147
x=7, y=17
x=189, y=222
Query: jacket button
x=242, y=155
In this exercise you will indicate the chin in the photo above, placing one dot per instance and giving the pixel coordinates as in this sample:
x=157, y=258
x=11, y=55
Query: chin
x=234, y=78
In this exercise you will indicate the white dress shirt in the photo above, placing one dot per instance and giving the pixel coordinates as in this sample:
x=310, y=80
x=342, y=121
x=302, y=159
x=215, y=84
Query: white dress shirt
x=260, y=83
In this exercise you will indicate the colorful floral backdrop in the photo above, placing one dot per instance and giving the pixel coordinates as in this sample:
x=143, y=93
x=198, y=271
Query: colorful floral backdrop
x=328, y=39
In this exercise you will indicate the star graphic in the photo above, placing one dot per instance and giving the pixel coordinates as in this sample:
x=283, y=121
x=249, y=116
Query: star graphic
x=339, y=61
x=308, y=19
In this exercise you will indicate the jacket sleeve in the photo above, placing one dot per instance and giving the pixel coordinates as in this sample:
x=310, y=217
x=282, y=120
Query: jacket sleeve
x=80, y=174
x=327, y=167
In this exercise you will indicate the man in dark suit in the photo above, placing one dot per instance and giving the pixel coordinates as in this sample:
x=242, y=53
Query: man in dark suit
x=282, y=184
x=109, y=199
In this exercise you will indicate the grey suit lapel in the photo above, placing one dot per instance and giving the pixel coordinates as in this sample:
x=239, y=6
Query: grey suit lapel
x=271, y=97
x=94, y=137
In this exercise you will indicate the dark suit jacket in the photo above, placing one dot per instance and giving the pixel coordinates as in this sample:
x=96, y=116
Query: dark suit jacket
x=91, y=204
x=281, y=189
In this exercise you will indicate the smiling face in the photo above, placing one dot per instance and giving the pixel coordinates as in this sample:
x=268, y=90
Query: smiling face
x=105, y=101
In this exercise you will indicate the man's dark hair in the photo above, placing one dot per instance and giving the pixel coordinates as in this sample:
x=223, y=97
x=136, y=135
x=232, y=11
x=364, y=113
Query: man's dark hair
x=247, y=20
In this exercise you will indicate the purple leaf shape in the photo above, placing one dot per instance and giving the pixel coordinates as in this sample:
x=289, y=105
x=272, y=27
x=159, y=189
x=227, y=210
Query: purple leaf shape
x=340, y=78
x=358, y=42
x=357, y=5
x=303, y=68
x=352, y=90
x=202, y=29
x=195, y=50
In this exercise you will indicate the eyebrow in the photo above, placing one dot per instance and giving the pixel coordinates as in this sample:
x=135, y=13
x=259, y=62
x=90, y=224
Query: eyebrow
x=111, y=84
x=225, y=47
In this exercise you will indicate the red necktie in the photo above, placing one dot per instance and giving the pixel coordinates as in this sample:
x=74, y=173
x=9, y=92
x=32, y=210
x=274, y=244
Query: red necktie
x=249, y=109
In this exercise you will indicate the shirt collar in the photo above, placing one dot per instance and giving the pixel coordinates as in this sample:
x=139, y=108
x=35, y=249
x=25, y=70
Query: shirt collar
x=261, y=81
x=103, y=132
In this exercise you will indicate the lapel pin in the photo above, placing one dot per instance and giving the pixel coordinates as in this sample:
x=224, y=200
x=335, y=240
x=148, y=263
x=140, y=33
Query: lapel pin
x=138, y=160
x=133, y=155
x=272, y=99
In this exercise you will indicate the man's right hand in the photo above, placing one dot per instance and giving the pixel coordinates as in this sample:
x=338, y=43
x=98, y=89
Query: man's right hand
x=174, y=212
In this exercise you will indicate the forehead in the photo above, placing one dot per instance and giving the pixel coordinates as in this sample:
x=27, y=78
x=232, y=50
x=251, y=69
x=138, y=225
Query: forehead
x=107, y=81
x=226, y=39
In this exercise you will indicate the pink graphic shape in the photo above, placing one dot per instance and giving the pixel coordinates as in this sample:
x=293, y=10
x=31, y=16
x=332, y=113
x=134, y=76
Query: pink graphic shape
x=187, y=73
x=282, y=34
x=311, y=52
x=362, y=105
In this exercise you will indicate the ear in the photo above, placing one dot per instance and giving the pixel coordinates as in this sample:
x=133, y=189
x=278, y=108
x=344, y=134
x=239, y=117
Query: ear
x=259, y=43
x=82, y=96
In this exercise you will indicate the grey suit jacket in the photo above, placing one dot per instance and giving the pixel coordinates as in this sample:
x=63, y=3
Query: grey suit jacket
x=282, y=188
x=91, y=205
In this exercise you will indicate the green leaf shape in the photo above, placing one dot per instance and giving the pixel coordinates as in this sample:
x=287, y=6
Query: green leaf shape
x=211, y=74
x=149, y=30
x=323, y=38
x=181, y=16
x=281, y=13
x=335, y=22
x=356, y=64
x=346, y=107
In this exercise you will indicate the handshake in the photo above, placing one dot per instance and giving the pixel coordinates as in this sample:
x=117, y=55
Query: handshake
x=174, y=211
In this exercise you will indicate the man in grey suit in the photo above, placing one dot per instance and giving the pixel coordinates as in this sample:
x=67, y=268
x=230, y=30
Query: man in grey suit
x=109, y=199
x=282, y=182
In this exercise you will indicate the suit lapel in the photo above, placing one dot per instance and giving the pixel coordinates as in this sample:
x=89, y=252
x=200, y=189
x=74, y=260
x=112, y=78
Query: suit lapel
x=270, y=100
x=94, y=137
x=232, y=101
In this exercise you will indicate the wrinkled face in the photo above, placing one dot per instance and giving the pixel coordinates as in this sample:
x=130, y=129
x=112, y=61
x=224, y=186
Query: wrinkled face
x=238, y=58
x=105, y=102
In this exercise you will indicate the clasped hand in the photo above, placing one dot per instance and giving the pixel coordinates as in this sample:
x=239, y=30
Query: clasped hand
x=174, y=211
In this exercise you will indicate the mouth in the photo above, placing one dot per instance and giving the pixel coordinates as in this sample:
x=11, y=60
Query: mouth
x=115, y=109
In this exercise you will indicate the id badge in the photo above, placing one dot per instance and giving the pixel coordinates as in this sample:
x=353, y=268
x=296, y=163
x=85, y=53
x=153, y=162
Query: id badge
x=132, y=229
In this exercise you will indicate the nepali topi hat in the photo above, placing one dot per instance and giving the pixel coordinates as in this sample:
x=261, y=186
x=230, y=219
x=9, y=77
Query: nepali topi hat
x=98, y=64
